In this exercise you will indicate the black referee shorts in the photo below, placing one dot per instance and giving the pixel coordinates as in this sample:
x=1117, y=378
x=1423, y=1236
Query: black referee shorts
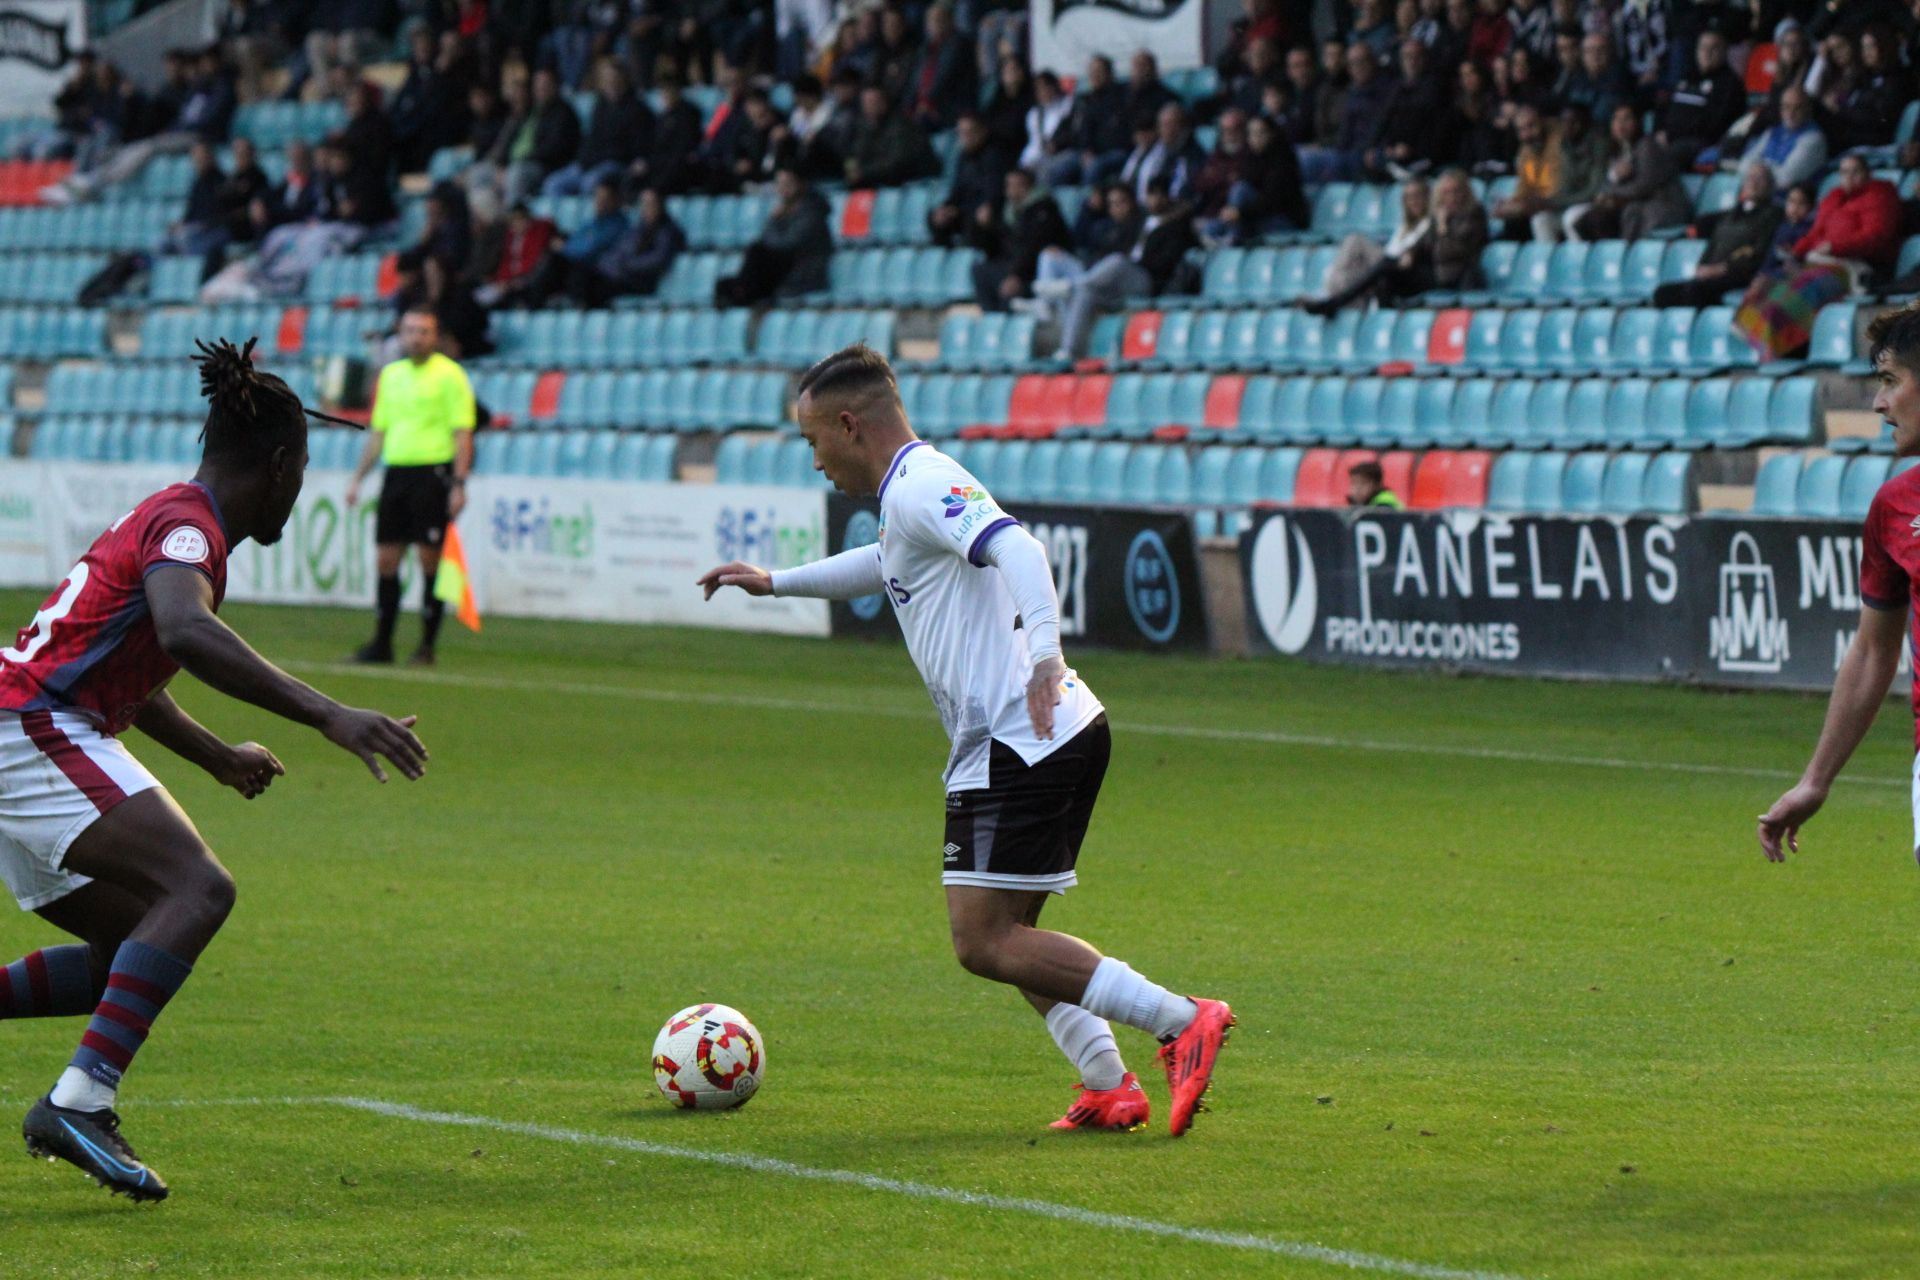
x=413, y=505
x=1023, y=830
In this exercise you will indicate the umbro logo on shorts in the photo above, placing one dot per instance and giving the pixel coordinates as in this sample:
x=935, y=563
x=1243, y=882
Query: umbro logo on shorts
x=952, y=851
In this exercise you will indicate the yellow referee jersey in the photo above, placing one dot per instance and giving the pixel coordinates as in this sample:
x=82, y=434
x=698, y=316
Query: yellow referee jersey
x=418, y=407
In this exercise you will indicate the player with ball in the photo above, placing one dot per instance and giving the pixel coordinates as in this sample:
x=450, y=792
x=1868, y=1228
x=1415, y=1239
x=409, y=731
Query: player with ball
x=976, y=602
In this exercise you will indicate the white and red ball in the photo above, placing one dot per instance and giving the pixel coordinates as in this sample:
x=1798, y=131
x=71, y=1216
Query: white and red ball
x=708, y=1057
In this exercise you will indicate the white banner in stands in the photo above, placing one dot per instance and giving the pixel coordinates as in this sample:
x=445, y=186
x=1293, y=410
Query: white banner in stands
x=38, y=39
x=543, y=548
x=1065, y=33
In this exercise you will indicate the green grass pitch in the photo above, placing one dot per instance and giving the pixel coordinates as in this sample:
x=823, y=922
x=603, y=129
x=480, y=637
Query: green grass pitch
x=1517, y=993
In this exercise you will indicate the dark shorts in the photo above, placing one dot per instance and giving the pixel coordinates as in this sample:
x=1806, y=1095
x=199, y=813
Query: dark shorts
x=413, y=505
x=1024, y=828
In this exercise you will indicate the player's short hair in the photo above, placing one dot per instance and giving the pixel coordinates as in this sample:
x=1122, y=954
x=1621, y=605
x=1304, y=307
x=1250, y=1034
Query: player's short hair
x=1897, y=335
x=251, y=412
x=857, y=370
x=1368, y=471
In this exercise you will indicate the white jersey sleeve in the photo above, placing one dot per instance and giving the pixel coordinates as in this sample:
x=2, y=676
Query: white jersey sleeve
x=960, y=621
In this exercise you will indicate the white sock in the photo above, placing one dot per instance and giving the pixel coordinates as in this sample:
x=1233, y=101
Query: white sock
x=1118, y=993
x=1088, y=1043
x=78, y=1091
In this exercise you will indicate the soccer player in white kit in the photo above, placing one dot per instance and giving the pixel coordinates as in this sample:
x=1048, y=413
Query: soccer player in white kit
x=976, y=602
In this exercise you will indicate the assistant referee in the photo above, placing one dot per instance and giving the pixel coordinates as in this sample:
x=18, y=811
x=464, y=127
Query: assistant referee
x=423, y=419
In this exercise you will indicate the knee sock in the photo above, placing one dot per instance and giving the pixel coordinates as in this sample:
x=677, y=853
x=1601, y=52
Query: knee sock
x=143, y=979
x=388, y=603
x=1088, y=1043
x=1118, y=993
x=432, y=610
x=53, y=983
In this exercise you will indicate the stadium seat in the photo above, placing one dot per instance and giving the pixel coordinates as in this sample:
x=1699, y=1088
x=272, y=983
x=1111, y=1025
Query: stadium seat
x=1360, y=411
x=1545, y=478
x=1623, y=483
x=1668, y=487
x=1447, y=338
x=1586, y=413
x=1399, y=413
x=1507, y=489
x=1484, y=351
x=1565, y=271
x=1508, y=423
x=1603, y=278
x=1520, y=340
x=1793, y=411
x=1634, y=345
x=1224, y=396
x=1627, y=413
x=1832, y=343
x=1429, y=489
x=1279, y=474
x=1863, y=479
x=1555, y=352
x=1640, y=273
x=1580, y=483
x=1317, y=482
x=1818, y=494
x=1667, y=418
x=1325, y=419
x=1672, y=341
x=1707, y=422
x=1141, y=338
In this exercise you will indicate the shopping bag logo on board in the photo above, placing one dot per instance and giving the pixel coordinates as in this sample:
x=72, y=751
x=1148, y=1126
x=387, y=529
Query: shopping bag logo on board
x=1747, y=633
x=26, y=37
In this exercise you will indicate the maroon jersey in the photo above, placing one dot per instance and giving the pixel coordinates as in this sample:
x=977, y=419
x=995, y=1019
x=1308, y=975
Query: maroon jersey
x=92, y=649
x=1890, y=558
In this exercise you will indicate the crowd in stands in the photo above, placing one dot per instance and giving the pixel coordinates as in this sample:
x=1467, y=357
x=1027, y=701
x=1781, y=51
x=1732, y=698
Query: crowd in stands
x=1598, y=109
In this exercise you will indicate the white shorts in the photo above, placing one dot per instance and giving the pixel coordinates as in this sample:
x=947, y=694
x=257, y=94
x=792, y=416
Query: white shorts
x=58, y=774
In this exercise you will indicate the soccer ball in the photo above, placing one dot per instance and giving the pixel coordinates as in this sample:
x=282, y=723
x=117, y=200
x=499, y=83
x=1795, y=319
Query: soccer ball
x=708, y=1057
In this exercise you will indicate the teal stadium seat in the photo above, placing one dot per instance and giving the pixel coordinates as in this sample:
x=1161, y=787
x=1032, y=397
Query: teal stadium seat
x=1668, y=487
x=1623, y=488
x=1818, y=495
x=1507, y=485
x=1581, y=483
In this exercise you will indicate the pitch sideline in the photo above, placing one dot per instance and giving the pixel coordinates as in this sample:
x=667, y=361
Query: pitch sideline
x=1271, y=737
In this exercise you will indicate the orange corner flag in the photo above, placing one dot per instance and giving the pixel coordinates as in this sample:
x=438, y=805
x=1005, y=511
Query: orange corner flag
x=451, y=583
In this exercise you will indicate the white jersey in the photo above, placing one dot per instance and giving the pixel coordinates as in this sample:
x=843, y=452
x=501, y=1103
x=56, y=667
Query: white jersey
x=959, y=618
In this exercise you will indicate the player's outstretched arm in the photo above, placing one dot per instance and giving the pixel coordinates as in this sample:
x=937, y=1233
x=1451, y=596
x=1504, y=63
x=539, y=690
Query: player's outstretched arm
x=180, y=600
x=248, y=768
x=1859, y=690
x=848, y=576
x=1022, y=564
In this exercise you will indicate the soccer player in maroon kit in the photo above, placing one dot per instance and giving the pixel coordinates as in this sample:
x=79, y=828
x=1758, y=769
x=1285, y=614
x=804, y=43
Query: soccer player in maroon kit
x=88, y=839
x=1889, y=577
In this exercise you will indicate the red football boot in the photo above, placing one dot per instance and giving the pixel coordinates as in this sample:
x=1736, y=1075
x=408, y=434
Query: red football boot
x=1124, y=1107
x=1189, y=1061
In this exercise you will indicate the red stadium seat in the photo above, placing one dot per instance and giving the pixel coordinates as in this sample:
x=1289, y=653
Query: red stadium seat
x=856, y=219
x=1761, y=64
x=1430, y=478
x=1467, y=484
x=293, y=331
x=1056, y=405
x=546, y=394
x=1223, y=401
x=1319, y=482
x=1141, y=337
x=1396, y=471
x=1447, y=340
x=1090, y=400
x=1027, y=410
x=389, y=278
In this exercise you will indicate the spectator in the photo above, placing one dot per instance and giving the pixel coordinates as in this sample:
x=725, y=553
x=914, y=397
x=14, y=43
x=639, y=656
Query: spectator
x=619, y=133
x=812, y=110
x=206, y=104
x=253, y=36
x=202, y=229
x=1703, y=106
x=1011, y=238
x=523, y=254
x=433, y=284
x=1870, y=109
x=1595, y=81
x=1225, y=167
x=1523, y=80
x=1481, y=145
x=1363, y=110
x=343, y=33
x=1855, y=237
x=1362, y=267
x=888, y=149
x=1150, y=265
x=1585, y=153
x=1046, y=140
x=1301, y=97
x=1795, y=149
x=1367, y=487
x=1490, y=35
x=826, y=148
x=544, y=141
x=486, y=117
x=245, y=183
x=1528, y=212
x=790, y=258
x=895, y=57
x=945, y=78
x=367, y=135
x=1640, y=30
x=1268, y=196
x=425, y=112
x=352, y=192
x=1835, y=68
x=979, y=178
x=1739, y=242
x=1642, y=192
x=639, y=259
x=1145, y=94
x=1005, y=114
x=567, y=269
x=1095, y=135
x=296, y=197
x=676, y=137
x=1109, y=221
x=1415, y=125
x=448, y=232
x=1532, y=23
x=1171, y=154
x=1259, y=20
x=1373, y=27
x=1260, y=71
x=799, y=28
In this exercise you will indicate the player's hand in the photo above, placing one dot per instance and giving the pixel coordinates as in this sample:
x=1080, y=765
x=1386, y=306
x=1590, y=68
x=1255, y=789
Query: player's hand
x=751, y=579
x=1780, y=825
x=249, y=769
x=371, y=735
x=456, y=501
x=353, y=493
x=1043, y=694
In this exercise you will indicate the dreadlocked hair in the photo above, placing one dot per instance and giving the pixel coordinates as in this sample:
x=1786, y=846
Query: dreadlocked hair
x=251, y=412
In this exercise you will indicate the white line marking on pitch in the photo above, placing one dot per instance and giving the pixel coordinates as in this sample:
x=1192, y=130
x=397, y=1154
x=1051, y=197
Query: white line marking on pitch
x=1272, y=737
x=1351, y=1259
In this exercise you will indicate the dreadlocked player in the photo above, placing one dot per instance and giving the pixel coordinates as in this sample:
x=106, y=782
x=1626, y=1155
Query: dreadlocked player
x=88, y=839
